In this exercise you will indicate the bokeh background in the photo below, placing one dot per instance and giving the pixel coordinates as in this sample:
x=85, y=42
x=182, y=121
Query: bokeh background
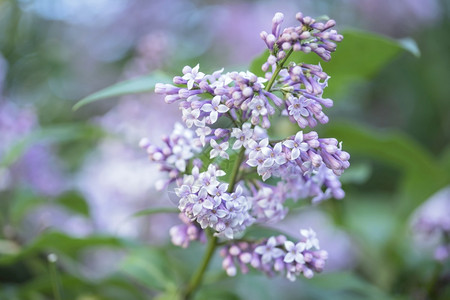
x=71, y=182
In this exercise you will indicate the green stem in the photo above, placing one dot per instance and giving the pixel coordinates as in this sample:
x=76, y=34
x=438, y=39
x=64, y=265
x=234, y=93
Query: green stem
x=235, y=171
x=277, y=70
x=433, y=284
x=212, y=240
x=198, y=276
x=54, y=278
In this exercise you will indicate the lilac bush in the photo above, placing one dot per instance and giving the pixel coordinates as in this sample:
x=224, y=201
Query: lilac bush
x=230, y=174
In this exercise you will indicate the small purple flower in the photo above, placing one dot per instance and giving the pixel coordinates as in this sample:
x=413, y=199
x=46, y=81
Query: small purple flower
x=219, y=149
x=256, y=147
x=296, y=145
x=203, y=200
x=202, y=132
x=297, y=107
x=242, y=136
x=294, y=252
x=311, y=239
x=258, y=107
x=192, y=75
x=269, y=251
x=215, y=108
x=190, y=117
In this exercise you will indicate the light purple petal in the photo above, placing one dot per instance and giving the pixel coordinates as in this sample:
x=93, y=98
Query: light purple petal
x=295, y=153
x=207, y=107
x=289, y=143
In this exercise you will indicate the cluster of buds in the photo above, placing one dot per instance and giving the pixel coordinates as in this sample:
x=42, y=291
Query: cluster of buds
x=308, y=36
x=226, y=117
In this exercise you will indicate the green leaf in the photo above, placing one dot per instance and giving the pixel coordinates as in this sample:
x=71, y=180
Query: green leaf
x=58, y=133
x=149, y=266
x=424, y=175
x=216, y=293
x=62, y=243
x=357, y=174
x=343, y=282
x=24, y=200
x=137, y=85
x=74, y=202
x=359, y=56
x=157, y=210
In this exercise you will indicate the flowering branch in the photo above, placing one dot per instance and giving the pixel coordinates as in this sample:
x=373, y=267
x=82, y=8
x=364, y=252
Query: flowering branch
x=303, y=165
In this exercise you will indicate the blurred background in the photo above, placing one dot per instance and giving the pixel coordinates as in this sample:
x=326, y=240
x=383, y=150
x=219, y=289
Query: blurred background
x=71, y=182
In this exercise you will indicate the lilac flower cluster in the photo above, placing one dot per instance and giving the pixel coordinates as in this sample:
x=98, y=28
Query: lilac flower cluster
x=179, y=147
x=309, y=36
x=227, y=116
x=183, y=234
x=276, y=255
x=205, y=199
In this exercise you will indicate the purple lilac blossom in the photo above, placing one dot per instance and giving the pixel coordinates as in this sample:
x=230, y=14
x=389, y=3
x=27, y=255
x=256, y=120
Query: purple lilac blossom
x=302, y=166
x=274, y=255
x=431, y=222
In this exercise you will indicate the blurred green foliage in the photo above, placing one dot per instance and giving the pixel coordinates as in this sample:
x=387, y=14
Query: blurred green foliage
x=377, y=86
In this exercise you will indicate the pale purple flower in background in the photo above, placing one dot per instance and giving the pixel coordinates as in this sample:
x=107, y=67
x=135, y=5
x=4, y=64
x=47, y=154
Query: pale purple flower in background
x=190, y=117
x=431, y=224
x=38, y=168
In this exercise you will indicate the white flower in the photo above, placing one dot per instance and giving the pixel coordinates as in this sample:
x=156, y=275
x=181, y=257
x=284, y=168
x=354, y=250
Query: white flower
x=257, y=107
x=294, y=252
x=297, y=108
x=190, y=117
x=242, y=136
x=219, y=149
x=203, y=200
x=192, y=76
x=296, y=145
x=311, y=239
x=179, y=157
x=255, y=147
x=215, y=108
x=202, y=132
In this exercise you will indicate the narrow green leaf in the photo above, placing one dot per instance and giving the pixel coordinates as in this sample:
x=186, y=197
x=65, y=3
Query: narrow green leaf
x=157, y=210
x=62, y=243
x=24, y=201
x=137, y=85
